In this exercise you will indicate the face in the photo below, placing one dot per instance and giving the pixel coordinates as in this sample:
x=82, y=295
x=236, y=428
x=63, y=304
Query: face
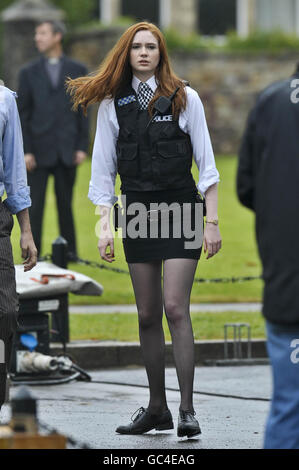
x=144, y=54
x=45, y=39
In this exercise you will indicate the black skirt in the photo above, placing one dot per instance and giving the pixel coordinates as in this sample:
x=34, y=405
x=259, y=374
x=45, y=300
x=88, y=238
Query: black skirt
x=159, y=236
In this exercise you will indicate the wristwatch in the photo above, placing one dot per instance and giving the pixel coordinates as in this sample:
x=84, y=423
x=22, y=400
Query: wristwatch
x=215, y=221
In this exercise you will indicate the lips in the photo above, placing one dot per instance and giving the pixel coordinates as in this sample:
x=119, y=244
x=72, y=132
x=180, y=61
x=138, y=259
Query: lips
x=143, y=62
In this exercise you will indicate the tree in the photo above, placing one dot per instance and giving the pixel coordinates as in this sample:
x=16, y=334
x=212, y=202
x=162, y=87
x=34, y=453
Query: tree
x=77, y=11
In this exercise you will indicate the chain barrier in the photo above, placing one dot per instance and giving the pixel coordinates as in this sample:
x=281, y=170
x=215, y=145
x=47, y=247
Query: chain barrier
x=95, y=264
x=73, y=442
x=229, y=279
x=47, y=257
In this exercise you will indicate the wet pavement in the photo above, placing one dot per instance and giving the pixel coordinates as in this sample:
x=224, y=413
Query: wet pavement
x=231, y=405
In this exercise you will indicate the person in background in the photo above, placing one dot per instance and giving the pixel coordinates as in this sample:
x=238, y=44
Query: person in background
x=153, y=155
x=12, y=180
x=55, y=138
x=268, y=184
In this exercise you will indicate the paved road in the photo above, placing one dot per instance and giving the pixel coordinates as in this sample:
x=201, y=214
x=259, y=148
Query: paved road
x=91, y=411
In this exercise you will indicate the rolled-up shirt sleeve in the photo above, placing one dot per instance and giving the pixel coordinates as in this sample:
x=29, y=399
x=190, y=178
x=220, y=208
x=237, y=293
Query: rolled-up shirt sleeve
x=200, y=138
x=14, y=169
x=104, y=160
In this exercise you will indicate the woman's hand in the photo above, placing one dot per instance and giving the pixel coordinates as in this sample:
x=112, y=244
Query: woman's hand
x=211, y=240
x=30, y=161
x=103, y=244
x=105, y=235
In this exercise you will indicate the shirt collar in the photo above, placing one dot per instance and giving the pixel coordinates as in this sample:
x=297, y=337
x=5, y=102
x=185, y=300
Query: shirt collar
x=151, y=82
x=49, y=61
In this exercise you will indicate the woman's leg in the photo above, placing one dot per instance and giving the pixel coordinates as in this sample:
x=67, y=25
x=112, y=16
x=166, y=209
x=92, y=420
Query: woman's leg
x=146, y=280
x=178, y=276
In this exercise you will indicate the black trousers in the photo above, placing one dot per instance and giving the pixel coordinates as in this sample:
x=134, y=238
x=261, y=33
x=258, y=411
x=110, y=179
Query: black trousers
x=64, y=179
x=8, y=297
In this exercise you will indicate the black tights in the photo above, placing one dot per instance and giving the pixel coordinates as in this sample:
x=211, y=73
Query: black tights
x=178, y=275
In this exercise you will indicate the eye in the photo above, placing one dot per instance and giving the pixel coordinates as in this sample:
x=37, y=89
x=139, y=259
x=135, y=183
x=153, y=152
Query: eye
x=135, y=46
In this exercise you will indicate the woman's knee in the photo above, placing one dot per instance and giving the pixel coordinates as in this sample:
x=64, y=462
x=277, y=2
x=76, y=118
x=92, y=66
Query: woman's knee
x=149, y=318
x=175, y=313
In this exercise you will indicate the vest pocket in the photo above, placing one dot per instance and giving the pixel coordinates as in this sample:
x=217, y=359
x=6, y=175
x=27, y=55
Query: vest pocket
x=127, y=163
x=173, y=157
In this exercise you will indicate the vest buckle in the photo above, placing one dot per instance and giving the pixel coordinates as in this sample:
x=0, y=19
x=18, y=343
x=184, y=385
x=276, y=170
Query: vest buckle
x=153, y=217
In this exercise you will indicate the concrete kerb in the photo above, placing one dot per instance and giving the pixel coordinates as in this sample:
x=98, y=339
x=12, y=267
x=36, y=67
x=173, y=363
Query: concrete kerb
x=91, y=354
x=194, y=308
x=103, y=354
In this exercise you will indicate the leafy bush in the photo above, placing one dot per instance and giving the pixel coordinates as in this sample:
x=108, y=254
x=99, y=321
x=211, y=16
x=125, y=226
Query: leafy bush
x=259, y=41
x=77, y=11
x=5, y=4
x=96, y=25
x=192, y=42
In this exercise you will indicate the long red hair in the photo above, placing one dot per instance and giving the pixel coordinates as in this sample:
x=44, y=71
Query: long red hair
x=115, y=72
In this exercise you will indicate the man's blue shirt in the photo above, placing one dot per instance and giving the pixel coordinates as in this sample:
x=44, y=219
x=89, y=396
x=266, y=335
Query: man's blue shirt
x=13, y=177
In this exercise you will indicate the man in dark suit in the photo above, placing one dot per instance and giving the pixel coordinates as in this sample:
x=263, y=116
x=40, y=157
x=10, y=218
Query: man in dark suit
x=267, y=183
x=55, y=137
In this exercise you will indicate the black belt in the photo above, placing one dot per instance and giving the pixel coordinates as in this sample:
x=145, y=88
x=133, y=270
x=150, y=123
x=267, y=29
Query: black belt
x=118, y=211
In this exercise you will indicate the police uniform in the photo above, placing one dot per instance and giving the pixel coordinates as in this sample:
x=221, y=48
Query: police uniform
x=154, y=163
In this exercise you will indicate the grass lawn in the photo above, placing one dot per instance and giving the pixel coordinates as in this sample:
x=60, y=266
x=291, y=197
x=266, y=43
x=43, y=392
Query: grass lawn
x=238, y=256
x=124, y=326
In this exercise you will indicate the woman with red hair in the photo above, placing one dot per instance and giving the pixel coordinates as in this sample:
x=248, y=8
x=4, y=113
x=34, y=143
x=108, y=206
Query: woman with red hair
x=150, y=125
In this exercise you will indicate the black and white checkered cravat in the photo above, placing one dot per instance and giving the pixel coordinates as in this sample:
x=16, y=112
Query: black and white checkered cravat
x=144, y=94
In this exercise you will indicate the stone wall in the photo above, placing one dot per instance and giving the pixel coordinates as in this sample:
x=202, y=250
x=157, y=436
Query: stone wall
x=227, y=84
x=18, y=25
x=91, y=47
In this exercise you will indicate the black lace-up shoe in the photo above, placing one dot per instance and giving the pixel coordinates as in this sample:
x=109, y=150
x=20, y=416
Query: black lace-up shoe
x=187, y=424
x=144, y=422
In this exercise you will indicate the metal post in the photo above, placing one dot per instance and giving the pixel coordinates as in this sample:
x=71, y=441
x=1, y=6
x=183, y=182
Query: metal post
x=24, y=411
x=60, y=320
x=249, y=343
x=59, y=252
x=237, y=345
x=235, y=342
x=225, y=342
x=239, y=341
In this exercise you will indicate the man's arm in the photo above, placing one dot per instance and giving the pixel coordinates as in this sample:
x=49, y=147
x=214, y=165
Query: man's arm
x=15, y=180
x=29, y=251
x=83, y=126
x=245, y=172
x=25, y=109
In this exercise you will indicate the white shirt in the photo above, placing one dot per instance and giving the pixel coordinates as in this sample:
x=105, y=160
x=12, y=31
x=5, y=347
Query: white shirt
x=104, y=160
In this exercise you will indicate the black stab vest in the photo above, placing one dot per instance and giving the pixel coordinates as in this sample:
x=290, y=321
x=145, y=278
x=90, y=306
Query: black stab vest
x=158, y=158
